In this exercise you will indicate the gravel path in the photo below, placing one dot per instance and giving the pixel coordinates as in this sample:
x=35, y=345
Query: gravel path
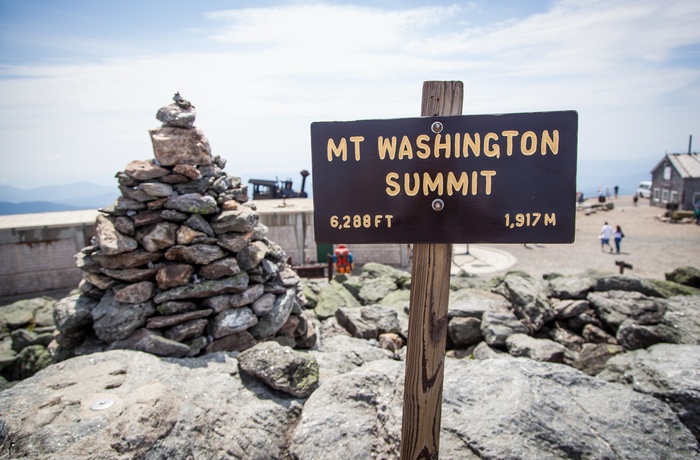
x=651, y=246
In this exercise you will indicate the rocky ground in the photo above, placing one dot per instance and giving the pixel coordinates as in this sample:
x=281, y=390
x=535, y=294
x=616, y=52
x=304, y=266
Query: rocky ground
x=584, y=366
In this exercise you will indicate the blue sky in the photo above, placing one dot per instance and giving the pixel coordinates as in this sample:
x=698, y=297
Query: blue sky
x=81, y=81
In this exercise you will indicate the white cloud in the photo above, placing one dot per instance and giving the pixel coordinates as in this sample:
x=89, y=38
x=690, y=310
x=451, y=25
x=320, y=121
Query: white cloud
x=276, y=70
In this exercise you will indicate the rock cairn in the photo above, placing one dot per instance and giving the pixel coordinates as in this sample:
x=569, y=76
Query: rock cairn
x=180, y=264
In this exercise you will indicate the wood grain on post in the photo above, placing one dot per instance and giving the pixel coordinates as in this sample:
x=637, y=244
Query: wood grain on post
x=427, y=323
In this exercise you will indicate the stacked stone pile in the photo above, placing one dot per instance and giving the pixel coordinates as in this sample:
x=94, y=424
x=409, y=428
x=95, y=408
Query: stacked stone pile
x=180, y=264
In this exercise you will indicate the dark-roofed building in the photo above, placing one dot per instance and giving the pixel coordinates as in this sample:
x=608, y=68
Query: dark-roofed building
x=676, y=181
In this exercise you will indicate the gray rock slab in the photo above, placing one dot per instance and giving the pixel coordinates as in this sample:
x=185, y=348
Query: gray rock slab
x=192, y=203
x=340, y=354
x=208, y=288
x=113, y=320
x=363, y=407
x=281, y=368
x=474, y=302
x=109, y=240
x=668, y=372
x=173, y=145
x=375, y=289
x=528, y=297
x=332, y=297
x=550, y=411
x=232, y=321
x=614, y=307
x=160, y=408
x=376, y=270
x=368, y=322
x=73, y=316
x=240, y=220
x=497, y=327
x=195, y=254
x=272, y=321
x=538, y=349
x=570, y=287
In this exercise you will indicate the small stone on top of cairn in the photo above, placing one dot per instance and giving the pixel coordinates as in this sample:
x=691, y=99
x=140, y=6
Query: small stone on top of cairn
x=181, y=114
x=180, y=264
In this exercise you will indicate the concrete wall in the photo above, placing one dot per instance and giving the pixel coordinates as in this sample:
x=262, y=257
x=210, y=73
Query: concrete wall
x=41, y=259
x=36, y=259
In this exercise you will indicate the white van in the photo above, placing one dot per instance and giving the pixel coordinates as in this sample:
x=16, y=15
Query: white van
x=644, y=189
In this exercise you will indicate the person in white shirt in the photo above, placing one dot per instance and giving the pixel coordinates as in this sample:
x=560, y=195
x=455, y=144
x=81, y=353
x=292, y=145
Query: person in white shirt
x=606, y=233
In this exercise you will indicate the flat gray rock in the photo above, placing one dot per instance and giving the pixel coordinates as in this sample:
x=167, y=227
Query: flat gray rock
x=668, y=372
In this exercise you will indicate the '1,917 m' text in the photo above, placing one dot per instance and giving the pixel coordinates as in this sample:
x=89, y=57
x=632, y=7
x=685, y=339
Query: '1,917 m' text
x=531, y=219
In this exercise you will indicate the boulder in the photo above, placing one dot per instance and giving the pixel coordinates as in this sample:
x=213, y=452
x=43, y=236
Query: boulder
x=281, y=368
x=593, y=356
x=368, y=322
x=464, y=331
x=109, y=240
x=126, y=404
x=364, y=408
x=332, y=297
x=27, y=362
x=649, y=287
x=671, y=373
x=376, y=270
x=570, y=287
x=172, y=146
x=273, y=320
x=614, y=307
x=528, y=297
x=114, y=320
x=375, y=289
x=469, y=302
x=497, y=327
x=73, y=317
x=538, y=349
x=689, y=276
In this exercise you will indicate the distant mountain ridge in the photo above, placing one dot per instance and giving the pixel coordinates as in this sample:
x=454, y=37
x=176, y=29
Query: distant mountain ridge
x=591, y=174
x=52, y=198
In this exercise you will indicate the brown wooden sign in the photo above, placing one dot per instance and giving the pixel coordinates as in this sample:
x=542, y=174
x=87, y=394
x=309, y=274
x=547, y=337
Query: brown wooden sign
x=508, y=178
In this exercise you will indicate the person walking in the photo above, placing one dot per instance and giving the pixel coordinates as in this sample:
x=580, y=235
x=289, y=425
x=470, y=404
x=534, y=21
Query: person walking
x=618, y=235
x=606, y=233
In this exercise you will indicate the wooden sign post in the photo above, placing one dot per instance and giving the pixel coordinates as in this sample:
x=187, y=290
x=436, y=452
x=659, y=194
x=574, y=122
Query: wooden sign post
x=432, y=181
x=427, y=316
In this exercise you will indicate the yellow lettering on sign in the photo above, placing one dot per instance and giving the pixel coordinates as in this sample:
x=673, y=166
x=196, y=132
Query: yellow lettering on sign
x=423, y=147
x=337, y=150
x=393, y=188
x=472, y=144
x=488, y=174
x=405, y=150
x=432, y=185
x=509, y=135
x=441, y=145
x=454, y=184
x=386, y=146
x=427, y=184
x=356, y=143
x=491, y=150
x=407, y=184
x=550, y=141
x=528, y=143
